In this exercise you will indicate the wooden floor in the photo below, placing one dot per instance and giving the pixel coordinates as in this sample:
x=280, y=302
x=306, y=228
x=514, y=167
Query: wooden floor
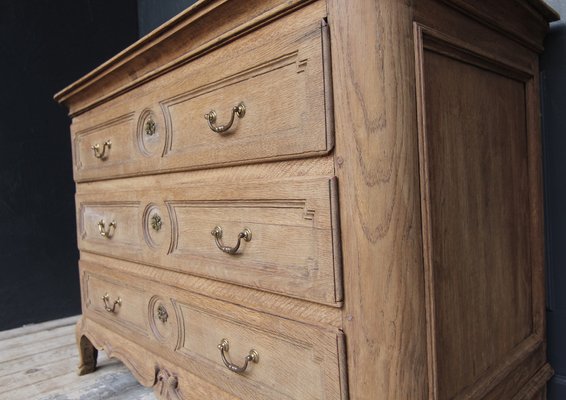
x=40, y=362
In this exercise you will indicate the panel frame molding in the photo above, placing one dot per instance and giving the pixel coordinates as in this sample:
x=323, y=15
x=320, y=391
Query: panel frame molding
x=81, y=135
x=489, y=381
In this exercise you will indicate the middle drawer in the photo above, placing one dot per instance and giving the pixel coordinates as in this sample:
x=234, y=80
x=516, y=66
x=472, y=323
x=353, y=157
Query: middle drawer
x=280, y=236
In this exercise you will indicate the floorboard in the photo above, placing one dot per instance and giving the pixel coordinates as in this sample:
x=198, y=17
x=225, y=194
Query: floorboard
x=39, y=362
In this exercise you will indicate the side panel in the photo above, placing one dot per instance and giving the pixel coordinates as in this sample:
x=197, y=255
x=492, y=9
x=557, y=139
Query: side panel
x=481, y=209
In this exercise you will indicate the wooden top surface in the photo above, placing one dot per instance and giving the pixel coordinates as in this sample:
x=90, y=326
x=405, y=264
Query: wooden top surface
x=545, y=10
x=208, y=24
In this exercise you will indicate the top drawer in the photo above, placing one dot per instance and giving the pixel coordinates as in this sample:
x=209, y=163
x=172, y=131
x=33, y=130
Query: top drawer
x=264, y=94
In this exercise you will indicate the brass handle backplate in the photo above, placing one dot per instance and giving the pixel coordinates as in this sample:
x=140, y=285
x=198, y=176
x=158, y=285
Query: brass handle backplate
x=246, y=234
x=224, y=346
x=107, y=233
x=101, y=154
x=239, y=110
x=106, y=299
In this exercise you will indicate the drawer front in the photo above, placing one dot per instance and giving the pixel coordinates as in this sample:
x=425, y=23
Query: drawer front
x=118, y=303
x=161, y=126
x=291, y=360
x=110, y=227
x=105, y=148
x=291, y=244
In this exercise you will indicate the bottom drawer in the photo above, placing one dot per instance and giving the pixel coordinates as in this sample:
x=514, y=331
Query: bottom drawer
x=262, y=357
x=250, y=354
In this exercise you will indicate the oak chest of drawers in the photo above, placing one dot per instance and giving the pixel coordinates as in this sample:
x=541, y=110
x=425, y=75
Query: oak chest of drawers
x=357, y=216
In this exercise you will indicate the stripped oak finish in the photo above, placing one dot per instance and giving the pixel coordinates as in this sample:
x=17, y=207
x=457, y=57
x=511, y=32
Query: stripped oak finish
x=298, y=359
x=306, y=264
x=388, y=167
x=281, y=84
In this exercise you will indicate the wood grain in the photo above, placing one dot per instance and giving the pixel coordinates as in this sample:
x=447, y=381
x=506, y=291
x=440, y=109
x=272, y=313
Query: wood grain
x=291, y=353
x=204, y=26
x=479, y=254
x=130, y=312
x=528, y=25
x=294, y=361
x=536, y=388
x=436, y=18
x=377, y=168
x=388, y=167
x=292, y=247
x=284, y=306
x=499, y=271
x=146, y=367
x=280, y=82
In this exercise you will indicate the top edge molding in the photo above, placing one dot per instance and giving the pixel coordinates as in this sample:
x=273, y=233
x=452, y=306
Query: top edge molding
x=203, y=26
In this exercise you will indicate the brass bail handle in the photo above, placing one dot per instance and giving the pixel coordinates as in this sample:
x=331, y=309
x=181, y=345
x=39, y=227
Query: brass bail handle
x=107, y=233
x=253, y=356
x=239, y=110
x=106, y=299
x=101, y=154
x=246, y=234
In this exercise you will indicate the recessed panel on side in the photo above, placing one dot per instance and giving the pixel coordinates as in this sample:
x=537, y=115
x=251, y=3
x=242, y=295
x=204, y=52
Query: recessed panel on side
x=474, y=167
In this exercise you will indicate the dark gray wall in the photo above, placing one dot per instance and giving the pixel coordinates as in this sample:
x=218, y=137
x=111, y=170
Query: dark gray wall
x=152, y=13
x=44, y=46
x=553, y=86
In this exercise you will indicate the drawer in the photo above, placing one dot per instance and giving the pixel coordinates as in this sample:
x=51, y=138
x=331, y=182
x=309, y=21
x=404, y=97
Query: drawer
x=211, y=338
x=279, y=89
x=104, y=147
x=118, y=303
x=129, y=305
x=288, y=360
x=287, y=231
x=110, y=225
